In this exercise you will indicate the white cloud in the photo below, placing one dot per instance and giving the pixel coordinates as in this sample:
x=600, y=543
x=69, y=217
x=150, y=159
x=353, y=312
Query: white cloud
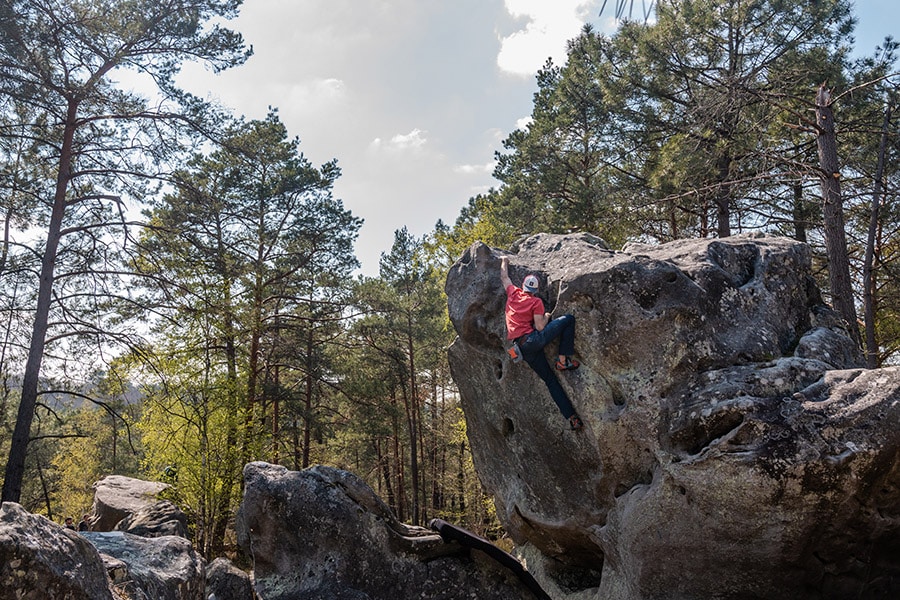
x=548, y=25
x=524, y=122
x=485, y=169
x=413, y=139
x=406, y=95
x=400, y=142
x=314, y=96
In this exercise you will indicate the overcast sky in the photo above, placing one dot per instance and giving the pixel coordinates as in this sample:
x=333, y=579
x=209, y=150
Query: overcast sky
x=412, y=97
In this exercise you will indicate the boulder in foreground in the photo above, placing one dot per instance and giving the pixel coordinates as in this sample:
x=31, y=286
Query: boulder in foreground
x=40, y=559
x=732, y=447
x=323, y=533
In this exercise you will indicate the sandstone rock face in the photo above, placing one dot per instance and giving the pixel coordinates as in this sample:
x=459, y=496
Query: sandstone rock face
x=159, y=568
x=224, y=581
x=322, y=533
x=732, y=448
x=117, y=497
x=40, y=559
x=158, y=519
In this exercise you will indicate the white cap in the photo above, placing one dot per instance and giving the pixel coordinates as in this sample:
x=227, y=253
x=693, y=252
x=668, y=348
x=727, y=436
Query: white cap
x=530, y=284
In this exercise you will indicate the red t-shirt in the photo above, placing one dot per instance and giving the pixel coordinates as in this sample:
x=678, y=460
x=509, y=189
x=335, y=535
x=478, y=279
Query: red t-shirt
x=520, y=310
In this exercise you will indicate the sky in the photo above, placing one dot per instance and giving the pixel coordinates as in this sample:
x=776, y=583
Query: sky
x=413, y=97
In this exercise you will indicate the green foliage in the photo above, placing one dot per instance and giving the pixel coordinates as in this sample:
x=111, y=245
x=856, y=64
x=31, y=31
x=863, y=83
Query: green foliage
x=401, y=404
x=186, y=431
x=706, y=98
x=78, y=439
x=557, y=171
x=672, y=128
x=481, y=220
x=100, y=445
x=248, y=265
x=78, y=467
x=91, y=145
x=240, y=280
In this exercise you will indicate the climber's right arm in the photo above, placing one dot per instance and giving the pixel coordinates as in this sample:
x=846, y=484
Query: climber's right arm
x=504, y=273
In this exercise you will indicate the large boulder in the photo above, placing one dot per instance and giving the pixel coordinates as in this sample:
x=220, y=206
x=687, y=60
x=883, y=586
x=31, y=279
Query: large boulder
x=40, y=559
x=732, y=447
x=134, y=505
x=322, y=533
x=158, y=568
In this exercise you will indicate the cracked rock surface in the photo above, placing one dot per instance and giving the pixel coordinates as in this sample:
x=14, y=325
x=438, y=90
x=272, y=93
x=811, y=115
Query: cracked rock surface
x=733, y=445
x=40, y=559
x=323, y=533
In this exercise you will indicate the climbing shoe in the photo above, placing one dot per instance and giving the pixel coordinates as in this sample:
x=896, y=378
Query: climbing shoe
x=575, y=423
x=515, y=353
x=570, y=364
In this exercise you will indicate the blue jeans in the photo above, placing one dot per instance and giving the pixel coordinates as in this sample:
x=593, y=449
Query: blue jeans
x=533, y=353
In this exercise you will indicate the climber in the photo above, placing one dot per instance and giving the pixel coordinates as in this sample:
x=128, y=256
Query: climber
x=530, y=328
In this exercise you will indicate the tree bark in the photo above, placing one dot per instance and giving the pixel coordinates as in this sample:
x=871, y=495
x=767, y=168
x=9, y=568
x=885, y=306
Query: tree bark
x=15, y=466
x=385, y=467
x=461, y=477
x=276, y=396
x=308, y=402
x=409, y=399
x=232, y=469
x=869, y=283
x=398, y=462
x=800, y=214
x=723, y=198
x=835, y=238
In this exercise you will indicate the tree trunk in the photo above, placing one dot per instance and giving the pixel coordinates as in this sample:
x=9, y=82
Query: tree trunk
x=413, y=451
x=232, y=470
x=674, y=232
x=276, y=396
x=385, y=467
x=15, y=466
x=412, y=412
x=205, y=525
x=252, y=381
x=869, y=283
x=44, y=490
x=723, y=199
x=275, y=414
x=115, y=442
x=307, y=417
x=800, y=214
x=704, y=219
x=438, y=450
x=256, y=325
x=423, y=460
x=461, y=477
x=295, y=436
x=835, y=238
x=398, y=462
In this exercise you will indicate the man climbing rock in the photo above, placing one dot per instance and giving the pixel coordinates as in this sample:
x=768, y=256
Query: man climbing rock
x=530, y=328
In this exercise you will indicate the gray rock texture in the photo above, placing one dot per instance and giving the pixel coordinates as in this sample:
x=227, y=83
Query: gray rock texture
x=322, y=533
x=732, y=447
x=158, y=568
x=158, y=519
x=133, y=505
x=224, y=581
x=40, y=560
